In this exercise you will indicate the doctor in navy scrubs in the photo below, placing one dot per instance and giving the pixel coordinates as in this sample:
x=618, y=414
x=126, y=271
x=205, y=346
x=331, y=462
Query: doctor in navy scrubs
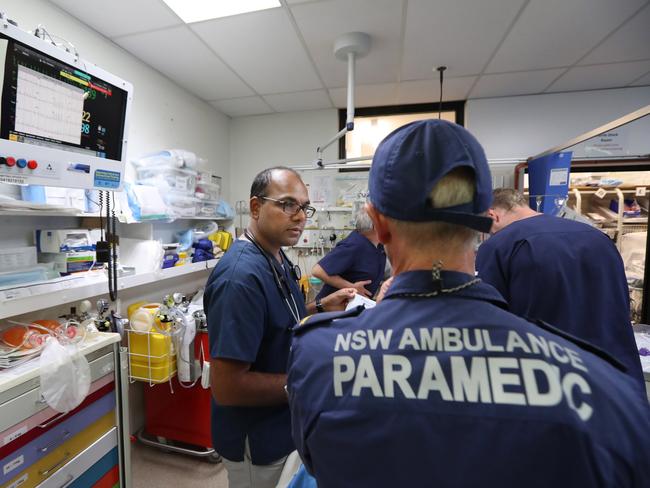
x=439, y=385
x=564, y=272
x=252, y=301
x=358, y=261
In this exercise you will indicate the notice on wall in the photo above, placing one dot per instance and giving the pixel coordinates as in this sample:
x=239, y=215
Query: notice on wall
x=612, y=143
x=322, y=191
x=351, y=188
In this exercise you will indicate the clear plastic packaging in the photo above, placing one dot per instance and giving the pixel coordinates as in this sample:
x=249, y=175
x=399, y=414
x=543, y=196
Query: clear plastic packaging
x=207, y=209
x=40, y=272
x=17, y=257
x=180, y=204
x=168, y=179
x=208, y=192
x=172, y=158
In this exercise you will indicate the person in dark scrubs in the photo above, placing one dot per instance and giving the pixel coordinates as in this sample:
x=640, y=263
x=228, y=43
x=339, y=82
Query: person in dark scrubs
x=439, y=385
x=566, y=273
x=358, y=261
x=252, y=301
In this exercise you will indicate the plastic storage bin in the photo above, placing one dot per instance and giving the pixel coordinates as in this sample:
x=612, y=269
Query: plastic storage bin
x=151, y=357
x=207, y=177
x=207, y=191
x=206, y=208
x=168, y=179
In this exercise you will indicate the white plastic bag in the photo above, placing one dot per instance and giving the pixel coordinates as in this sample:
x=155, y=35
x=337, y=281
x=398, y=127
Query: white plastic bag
x=65, y=376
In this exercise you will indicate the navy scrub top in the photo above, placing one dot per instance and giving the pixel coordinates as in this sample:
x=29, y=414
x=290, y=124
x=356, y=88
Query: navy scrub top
x=355, y=258
x=568, y=274
x=455, y=391
x=248, y=320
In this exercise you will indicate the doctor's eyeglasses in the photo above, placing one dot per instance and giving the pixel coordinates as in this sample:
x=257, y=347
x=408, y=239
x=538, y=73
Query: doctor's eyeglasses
x=292, y=208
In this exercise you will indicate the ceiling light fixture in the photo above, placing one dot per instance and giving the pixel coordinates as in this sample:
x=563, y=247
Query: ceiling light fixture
x=198, y=10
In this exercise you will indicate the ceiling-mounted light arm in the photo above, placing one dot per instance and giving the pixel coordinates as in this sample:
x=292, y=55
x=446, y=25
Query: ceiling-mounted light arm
x=348, y=47
x=349, y=119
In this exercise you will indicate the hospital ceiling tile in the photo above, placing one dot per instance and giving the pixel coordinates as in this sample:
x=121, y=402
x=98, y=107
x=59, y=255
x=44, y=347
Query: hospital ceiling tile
x=428, y=91
x=600, y=76
x=629, y=43
x=459, y=34
x=121, y=17
x=512, y=84
x=320, y=23
x=263, y=48
x=239, y=107
x=299, y=101
x=366, y=95
x=194, y=66
x=557, y=33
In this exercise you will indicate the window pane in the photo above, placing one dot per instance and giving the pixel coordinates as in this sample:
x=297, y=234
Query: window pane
x=370, y=130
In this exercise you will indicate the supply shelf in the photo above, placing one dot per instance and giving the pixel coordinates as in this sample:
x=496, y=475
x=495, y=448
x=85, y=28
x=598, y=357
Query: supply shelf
x=47, y=213
x=42, y=295
x=334, y=209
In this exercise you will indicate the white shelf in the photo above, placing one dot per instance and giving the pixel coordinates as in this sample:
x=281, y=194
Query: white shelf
x=334, y=209
x=31, y=369
x=48, y=213
x=39, y=296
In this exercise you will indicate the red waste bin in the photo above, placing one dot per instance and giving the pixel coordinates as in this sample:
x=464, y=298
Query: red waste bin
x=183, y=415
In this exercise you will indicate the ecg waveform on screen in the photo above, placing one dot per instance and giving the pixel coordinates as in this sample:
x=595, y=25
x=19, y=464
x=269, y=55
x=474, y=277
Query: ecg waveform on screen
x=48, y=107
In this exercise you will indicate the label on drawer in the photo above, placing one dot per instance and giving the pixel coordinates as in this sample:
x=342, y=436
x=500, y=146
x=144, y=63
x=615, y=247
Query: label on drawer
x=13, y=464
x=15, y=435
x=19, y=481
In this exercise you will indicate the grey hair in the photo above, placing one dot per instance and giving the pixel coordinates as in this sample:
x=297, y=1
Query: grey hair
x=455, y=188
x=508, y=198
x=362, y=221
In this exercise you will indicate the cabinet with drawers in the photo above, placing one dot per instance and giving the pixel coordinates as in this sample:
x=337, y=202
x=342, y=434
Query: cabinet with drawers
x=86, y=447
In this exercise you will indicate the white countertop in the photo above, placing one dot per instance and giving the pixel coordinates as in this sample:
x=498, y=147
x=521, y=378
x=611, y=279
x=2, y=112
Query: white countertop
x=31, y=369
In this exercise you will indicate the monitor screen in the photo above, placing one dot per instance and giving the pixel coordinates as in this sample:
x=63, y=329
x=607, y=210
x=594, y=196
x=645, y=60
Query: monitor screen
x=46, y=102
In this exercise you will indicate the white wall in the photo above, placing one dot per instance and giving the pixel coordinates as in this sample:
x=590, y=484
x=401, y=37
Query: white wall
x=163, y=114
x=519, y=127
x=288, y=139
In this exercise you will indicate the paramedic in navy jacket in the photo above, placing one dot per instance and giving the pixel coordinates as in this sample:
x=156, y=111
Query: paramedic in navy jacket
x=566, y=273
x=438, y=385
x=358, y=261
x=252, y=301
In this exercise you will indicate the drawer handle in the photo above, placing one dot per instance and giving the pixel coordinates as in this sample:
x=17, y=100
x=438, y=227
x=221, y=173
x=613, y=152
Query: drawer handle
x=69, y=480
x=56, y=466
x=65, y=435
x=51, y=421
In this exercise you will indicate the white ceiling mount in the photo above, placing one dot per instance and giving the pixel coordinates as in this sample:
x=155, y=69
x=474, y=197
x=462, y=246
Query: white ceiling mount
x=357, y=43
x=347, y=47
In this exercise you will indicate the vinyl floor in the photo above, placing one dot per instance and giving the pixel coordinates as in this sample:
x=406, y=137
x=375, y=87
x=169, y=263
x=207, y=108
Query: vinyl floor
x=152, y=467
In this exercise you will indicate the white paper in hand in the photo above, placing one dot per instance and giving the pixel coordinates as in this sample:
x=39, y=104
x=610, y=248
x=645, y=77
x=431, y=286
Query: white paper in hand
x=360, y=300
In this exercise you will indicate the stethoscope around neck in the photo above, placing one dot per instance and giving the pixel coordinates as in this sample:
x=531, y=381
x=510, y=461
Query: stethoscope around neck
x=280, y=282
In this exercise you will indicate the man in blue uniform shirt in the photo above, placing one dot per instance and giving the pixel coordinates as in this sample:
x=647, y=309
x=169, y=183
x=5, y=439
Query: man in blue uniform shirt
x=439, y=385
x=358, y=261
x=566, y=273
x=251, y=302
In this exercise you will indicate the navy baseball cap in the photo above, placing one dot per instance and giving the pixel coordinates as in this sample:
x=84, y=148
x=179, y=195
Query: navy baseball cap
x=411, y=160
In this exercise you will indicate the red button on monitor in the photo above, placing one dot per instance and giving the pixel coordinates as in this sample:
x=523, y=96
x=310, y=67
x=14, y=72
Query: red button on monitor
x=11, y=161
x=31, y=164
